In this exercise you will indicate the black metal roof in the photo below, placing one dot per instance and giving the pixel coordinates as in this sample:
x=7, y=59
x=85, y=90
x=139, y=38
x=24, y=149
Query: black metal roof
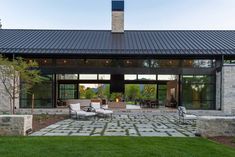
x=103, y=42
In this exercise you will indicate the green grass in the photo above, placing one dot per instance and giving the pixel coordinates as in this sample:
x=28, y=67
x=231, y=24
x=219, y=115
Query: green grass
x=111, y=147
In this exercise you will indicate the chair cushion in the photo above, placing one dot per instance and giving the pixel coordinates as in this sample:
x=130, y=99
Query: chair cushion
x=90, y=114
x=184, y=110
x=84, y=113
x=95, y=105
x=102, y=111
x=190, y=116
x=105, y=106
x=75, y=107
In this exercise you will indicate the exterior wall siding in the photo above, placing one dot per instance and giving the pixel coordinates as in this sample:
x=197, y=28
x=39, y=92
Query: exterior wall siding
x=228, y=98
x=5, y=100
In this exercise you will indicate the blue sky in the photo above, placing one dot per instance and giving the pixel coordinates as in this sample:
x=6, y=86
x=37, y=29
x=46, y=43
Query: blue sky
x=139, y=14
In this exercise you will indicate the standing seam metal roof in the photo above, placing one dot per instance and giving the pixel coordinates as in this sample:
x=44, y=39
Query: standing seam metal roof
x=104, y=42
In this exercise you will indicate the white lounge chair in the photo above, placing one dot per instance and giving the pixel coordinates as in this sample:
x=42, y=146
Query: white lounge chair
x=75, y=109
x=184, y=116
x=101, y=111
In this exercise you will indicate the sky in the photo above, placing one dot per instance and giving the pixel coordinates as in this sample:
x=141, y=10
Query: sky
x=139, y=14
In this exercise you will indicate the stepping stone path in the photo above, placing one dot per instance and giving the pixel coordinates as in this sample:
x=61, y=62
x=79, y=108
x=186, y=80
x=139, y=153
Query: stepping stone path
x=131, y=124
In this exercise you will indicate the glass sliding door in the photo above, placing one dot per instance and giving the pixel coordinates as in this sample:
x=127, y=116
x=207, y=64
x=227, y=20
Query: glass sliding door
x=42, y=94
x=135, y=92
x=162, y=93
x=198, y=91
x=68, y=91
x=83, y=91
x=94, y=91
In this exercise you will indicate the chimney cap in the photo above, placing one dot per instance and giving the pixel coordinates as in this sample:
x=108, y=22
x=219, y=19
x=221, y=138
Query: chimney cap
x=117, y=5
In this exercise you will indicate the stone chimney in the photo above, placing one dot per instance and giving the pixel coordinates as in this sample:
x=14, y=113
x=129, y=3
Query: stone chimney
x=117, y=16
x=0, y=24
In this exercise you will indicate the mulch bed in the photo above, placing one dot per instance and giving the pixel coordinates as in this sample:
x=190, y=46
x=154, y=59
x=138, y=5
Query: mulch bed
x=229, y=141
x=42, y=121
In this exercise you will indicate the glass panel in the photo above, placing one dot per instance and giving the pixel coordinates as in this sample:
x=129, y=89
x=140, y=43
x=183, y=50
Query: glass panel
x=162, y=93
x=197, y=63
x=88, y=76
x=132, y=93
x=136, y=92
x=203, y=63
x=198, y=79
x=104, y=76
x=67, y=76
x=130, y=77
x=229, y=61
x=42, y=94
x=94, y=91
x=199, y=92
x=68, y=91
x=167, y=77
x=147, y=77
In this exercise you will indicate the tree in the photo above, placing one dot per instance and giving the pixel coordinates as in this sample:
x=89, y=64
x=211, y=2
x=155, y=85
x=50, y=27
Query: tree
x=82, y=91
x=89, y=93
x=149, y=91
x=13, y=73
x=132, y=92
x=103, y=91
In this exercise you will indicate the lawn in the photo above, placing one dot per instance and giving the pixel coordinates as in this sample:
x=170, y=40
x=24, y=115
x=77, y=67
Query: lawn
x=111, y=147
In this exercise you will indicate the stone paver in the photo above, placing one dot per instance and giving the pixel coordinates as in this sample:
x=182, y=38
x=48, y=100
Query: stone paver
x=123, y=124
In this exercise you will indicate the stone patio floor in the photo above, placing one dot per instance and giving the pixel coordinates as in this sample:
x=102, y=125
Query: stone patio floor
x=130, y=124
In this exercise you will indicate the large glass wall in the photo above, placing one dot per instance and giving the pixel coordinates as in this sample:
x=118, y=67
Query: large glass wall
x=198, y=91
x=42, y=94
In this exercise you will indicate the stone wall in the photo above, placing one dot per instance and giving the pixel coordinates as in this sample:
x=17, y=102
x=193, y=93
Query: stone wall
x=117, y=21
x=5, y=100
x=15, y=125
x=52, y=111
x=209, y=126
x=228, y=91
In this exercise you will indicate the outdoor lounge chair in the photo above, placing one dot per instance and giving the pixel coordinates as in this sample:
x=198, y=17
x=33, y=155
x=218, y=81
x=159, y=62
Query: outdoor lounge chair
x=74, y=109
x=184, y=116
x=99, y=110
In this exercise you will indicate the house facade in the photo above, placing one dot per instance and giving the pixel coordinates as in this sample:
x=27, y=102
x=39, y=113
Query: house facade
x=193, y=67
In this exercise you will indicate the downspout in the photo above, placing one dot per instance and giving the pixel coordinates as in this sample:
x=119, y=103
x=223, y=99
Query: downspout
x=14, y=77
x=221, y=82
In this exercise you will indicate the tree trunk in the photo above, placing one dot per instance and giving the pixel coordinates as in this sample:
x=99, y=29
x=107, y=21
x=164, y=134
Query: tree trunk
x=11, y=110
x=32, y=104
